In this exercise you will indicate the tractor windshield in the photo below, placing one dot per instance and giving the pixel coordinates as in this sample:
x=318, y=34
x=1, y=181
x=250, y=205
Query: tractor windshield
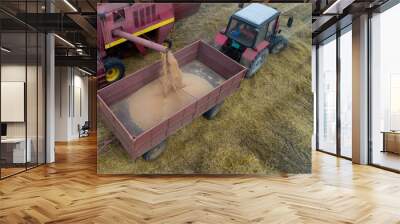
x=242, y=32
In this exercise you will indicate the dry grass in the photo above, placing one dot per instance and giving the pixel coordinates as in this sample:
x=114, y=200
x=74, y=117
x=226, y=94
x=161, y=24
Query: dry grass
x=264, y=128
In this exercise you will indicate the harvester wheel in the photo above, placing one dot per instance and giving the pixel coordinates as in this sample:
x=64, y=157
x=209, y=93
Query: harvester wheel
x=155, y=152
x=115, y=69
x=278, y=44
x=257, y=63
x=211, y=113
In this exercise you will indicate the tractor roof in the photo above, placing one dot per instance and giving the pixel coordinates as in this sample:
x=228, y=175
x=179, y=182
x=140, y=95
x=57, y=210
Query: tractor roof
x=256, y=13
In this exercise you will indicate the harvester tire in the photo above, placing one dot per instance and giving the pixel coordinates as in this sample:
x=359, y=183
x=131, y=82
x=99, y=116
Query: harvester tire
x=278, y=44
x=257, y=63
x=211, y=113
x=115, y=69
x=155, y=152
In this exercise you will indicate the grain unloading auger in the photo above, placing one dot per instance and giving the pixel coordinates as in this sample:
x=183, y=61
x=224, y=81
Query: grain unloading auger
x=140, y=41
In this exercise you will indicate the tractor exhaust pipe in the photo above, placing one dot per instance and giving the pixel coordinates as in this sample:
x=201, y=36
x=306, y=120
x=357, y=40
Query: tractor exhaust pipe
x=141, y=41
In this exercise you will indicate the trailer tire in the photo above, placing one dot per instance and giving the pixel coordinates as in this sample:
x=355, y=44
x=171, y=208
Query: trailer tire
x=278, y=44
x=212, y=113
x=257, y=63
x=115, y=69
x=155, y=152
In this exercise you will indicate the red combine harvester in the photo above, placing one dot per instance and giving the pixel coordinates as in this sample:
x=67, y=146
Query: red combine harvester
x=145, y=25
x=252, y=33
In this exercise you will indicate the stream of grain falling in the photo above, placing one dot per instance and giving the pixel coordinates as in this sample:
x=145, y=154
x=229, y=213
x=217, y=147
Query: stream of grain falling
x=163, y=97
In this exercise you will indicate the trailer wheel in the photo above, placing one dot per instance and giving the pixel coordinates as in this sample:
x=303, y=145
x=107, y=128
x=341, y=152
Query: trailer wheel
x=278, y=44
x=211, y=113
x=257, y=63
x=115, y=69
x=155, y=152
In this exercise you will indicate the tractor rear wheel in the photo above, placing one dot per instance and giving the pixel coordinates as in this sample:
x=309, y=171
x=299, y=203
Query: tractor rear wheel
x=257, y=63
x=155, y=152
x=211, y=113
x=115, y=69
x=278, y=44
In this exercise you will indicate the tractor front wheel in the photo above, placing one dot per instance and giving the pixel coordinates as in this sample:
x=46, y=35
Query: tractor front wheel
x=211, y=113
x=278, y=44
x=155, y=152
x=257, y=63
x=115, y=69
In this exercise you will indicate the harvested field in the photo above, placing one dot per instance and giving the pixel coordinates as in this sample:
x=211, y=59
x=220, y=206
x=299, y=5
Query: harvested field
x=264, y=128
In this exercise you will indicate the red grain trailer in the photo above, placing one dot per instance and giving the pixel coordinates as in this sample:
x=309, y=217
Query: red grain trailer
x=198, y=57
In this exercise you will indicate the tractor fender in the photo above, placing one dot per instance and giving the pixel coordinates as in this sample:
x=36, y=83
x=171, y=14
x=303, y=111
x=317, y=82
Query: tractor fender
x=262, y=45
x=250, y=54
x=220, y=39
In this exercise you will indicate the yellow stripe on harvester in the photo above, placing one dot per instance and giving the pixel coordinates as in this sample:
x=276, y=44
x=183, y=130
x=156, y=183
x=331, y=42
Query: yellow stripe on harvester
x=138, y=33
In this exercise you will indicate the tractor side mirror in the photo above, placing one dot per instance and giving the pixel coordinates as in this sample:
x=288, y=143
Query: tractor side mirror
x=290, y=21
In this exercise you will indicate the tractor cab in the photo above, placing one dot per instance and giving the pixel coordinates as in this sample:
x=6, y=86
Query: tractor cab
x=251, y=34
x=253, y=24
